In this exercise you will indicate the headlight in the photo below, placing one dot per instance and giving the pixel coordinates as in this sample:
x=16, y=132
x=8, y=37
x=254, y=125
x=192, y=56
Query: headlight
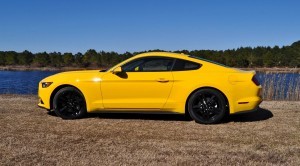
x=46, y=84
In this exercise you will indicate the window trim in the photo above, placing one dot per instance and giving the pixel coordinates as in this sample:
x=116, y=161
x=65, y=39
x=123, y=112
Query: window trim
x=171, y=69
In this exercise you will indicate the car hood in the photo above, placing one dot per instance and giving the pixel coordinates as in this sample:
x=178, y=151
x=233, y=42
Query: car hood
x=75, y=76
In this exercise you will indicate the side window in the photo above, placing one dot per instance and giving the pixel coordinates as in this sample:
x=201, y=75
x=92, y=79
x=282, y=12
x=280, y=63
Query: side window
x=131, y=66
x=158, y=64
x=149, y=64
x=181, y=65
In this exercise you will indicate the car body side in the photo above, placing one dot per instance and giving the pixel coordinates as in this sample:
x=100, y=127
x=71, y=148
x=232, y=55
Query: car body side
x=236, y=86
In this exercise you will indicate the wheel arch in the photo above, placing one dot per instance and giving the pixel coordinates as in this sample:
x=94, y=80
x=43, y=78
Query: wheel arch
x=59, y=88
x=207, y=87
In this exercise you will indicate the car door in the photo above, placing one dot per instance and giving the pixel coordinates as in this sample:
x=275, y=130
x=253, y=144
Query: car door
x=144, y=83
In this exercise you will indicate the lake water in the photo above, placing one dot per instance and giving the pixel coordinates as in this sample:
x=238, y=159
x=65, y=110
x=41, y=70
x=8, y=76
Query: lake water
x=21, y=82
x=278, y=86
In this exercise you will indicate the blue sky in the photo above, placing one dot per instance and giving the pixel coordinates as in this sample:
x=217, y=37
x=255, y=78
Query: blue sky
x=138, y=25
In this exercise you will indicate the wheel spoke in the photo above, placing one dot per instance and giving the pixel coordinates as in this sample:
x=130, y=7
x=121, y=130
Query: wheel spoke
x=206, y=116
x=211, y=99
x=215, y=111
x=63, y=99
x=63, y=109
x=203, y=100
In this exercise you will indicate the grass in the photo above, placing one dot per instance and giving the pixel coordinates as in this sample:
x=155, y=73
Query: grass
x=30, y=136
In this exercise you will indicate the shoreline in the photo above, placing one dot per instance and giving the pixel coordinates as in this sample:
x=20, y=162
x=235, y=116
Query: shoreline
x=29, y=68
x=273, y=69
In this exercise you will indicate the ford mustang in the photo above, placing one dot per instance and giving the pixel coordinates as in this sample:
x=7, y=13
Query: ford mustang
x=155, y=82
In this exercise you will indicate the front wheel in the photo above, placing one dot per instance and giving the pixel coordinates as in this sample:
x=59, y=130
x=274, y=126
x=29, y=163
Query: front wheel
x=69, y=103
x=207, y=106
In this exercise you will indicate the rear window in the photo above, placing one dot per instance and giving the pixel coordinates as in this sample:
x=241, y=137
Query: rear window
x=182, y=65
x=206, y=60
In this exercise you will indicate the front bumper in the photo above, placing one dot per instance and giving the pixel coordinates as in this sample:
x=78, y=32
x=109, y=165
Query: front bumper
x=44, y=95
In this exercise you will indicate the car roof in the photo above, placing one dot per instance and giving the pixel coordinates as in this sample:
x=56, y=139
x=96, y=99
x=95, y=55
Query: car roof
x=180, y=56
x=165, y=54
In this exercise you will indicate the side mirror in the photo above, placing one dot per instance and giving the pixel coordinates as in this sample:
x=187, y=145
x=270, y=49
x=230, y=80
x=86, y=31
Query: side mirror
x=117, y=70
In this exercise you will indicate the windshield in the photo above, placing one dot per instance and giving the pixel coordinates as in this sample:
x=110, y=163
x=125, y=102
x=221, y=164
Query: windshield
x=196, y=57
x=106, y=69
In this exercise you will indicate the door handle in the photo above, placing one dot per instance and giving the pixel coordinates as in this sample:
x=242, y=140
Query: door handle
x=162, y=80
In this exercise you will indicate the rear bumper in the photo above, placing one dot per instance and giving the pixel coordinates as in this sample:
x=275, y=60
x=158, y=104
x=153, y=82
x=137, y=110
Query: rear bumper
x=247, y=105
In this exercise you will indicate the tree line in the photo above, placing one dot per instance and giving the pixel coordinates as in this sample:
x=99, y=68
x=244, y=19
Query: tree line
x=286, y=56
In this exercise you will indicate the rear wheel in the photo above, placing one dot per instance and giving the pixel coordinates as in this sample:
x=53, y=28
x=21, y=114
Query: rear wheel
x=69, y=103
x=207, y=106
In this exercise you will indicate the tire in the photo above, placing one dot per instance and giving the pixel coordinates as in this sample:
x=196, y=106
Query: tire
x=69, y=103
x=207, y=106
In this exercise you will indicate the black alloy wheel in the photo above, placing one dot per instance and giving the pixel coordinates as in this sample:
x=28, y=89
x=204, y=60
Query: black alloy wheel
x=69, y=103
x=207, y=106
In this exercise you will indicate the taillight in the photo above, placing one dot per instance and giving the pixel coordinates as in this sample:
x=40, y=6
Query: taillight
x=255, y=80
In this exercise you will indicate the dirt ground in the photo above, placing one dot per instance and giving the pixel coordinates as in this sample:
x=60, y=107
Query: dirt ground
x=30, y=136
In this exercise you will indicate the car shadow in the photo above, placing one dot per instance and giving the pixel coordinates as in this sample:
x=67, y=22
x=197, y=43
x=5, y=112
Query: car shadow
x=259, y=115
x=140, y=116
x=136, y=116
x=51, y=113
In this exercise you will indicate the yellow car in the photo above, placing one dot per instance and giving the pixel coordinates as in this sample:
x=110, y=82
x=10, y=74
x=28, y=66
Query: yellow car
x=155, y=82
